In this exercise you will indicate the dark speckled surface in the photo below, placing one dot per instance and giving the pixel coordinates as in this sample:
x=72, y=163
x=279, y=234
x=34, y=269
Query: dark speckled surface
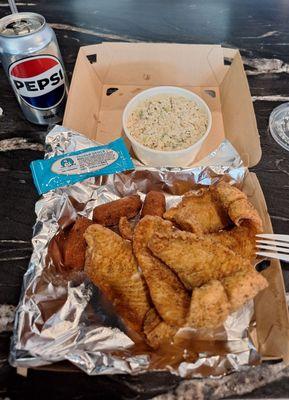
x=259, y=28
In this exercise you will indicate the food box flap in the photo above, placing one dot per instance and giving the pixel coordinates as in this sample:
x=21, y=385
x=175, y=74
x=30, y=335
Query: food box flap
x=271, y=309
x=158, y=64
x=238, y=111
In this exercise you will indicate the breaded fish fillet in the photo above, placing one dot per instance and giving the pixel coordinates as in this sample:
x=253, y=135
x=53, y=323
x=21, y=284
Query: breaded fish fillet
x=242, y=286
x=242, y=210
x=209, y=306
x=240, y=239
x=237, y=205
x=227, y=193
x=75, y=245
x=157, y=331
x=111, y=266
x=198, y=213
x=196, y=260
x=125, y=229
x=166, y=290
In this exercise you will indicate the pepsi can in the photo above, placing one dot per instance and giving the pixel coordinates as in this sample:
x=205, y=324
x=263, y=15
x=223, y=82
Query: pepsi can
x=31, y=59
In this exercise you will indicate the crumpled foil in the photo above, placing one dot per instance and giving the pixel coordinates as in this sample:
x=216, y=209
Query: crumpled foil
x=66, y=318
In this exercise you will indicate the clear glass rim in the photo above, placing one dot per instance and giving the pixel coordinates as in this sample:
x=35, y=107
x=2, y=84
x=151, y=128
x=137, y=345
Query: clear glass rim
x=274, y=116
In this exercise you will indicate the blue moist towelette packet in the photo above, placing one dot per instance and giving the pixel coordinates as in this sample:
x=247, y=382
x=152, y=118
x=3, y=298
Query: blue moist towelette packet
x=76, y=166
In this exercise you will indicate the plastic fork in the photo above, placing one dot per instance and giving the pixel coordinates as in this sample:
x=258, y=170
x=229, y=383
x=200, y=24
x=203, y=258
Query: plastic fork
x=273, y=246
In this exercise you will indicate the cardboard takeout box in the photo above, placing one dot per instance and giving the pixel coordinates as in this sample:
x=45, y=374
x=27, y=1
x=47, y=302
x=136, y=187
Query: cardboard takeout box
x=108, y=75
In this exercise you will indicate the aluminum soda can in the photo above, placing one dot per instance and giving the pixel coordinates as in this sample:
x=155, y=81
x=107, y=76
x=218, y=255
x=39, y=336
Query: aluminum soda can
x=32, y=61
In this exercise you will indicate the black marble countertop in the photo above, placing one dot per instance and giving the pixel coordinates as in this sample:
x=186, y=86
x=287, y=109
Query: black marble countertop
x=260, y=29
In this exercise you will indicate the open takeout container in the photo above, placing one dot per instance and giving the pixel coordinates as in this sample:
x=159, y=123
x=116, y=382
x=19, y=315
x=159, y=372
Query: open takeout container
x=108, y=75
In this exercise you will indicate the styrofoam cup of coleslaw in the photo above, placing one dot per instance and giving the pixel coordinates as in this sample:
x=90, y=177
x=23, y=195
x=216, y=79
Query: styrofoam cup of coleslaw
x=163, y=158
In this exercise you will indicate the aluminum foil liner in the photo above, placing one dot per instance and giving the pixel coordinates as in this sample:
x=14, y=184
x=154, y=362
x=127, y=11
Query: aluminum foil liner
x=66, y=318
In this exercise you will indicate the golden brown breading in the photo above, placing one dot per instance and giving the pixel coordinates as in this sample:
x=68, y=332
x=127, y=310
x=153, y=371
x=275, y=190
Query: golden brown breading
x=242, y=286
x=196, y=260
x=237, y=205
x=240, y=239
x=154, y=204
x=157, y=331
x=167, y=292
x=75, y=245
x=109, y=214
x=242, y=210
x=198, y=213
x=209, y=306
x=227, y=193
x=125, y=228
x=111, y=266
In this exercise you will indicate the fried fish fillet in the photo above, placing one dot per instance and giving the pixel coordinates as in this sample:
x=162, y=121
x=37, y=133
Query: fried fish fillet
x=242, y=210
x=209, y=306
x=196, y=260
x=125, y=228
x=157, y=331
x=166, y=290
x=198, y=213
x=237, y=205
x=227, y=194
x=240, y=239
x=242, y=286
x=111, y=266
x=75, y=245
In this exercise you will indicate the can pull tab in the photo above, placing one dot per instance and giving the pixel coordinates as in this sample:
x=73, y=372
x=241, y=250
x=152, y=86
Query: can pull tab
x=21, y=27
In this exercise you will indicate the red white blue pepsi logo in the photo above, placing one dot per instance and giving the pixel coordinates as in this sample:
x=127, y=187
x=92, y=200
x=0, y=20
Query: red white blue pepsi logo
x=39, y=81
